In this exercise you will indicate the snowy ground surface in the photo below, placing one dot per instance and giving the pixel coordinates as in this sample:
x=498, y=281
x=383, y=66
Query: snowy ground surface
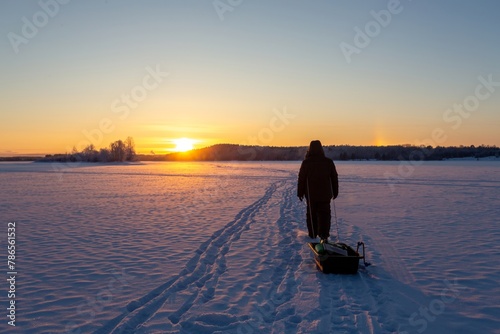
x=221, y=248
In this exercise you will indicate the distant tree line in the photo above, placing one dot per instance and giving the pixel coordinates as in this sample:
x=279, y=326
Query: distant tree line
x=227, y=152
x=118, y=151
x=409, y=152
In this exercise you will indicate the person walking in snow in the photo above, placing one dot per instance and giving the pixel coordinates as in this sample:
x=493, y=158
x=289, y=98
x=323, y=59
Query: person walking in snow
x=318, y=183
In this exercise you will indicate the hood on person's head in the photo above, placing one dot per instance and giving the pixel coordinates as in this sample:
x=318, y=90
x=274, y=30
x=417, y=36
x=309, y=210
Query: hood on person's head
x=315, y=148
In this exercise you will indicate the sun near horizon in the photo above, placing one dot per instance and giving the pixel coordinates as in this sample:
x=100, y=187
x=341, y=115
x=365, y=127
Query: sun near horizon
x=183, y=144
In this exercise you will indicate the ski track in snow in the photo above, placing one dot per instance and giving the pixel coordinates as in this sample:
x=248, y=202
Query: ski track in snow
x=202, y=272
x=353, y=303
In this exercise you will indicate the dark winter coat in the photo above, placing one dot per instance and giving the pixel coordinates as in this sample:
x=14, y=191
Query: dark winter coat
x=320, y=174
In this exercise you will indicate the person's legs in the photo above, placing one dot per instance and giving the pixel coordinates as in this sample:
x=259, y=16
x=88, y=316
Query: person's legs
x=324, y=216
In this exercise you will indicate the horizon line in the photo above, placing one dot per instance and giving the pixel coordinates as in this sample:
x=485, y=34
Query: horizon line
x=14, y=154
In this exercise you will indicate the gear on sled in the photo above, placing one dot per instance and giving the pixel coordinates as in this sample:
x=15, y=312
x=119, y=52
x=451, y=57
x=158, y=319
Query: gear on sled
x=338, y=258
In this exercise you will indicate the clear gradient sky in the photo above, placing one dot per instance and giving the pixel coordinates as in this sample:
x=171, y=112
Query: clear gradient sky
x=248, y=72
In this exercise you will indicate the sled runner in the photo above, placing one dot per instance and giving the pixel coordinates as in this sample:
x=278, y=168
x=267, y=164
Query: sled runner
x=332, y=259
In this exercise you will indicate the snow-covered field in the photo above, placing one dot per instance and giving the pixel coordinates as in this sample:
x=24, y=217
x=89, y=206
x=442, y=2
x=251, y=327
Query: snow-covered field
x=221, y=248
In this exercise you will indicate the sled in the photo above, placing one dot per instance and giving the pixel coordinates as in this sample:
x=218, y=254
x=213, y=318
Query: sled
x=335, y=263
